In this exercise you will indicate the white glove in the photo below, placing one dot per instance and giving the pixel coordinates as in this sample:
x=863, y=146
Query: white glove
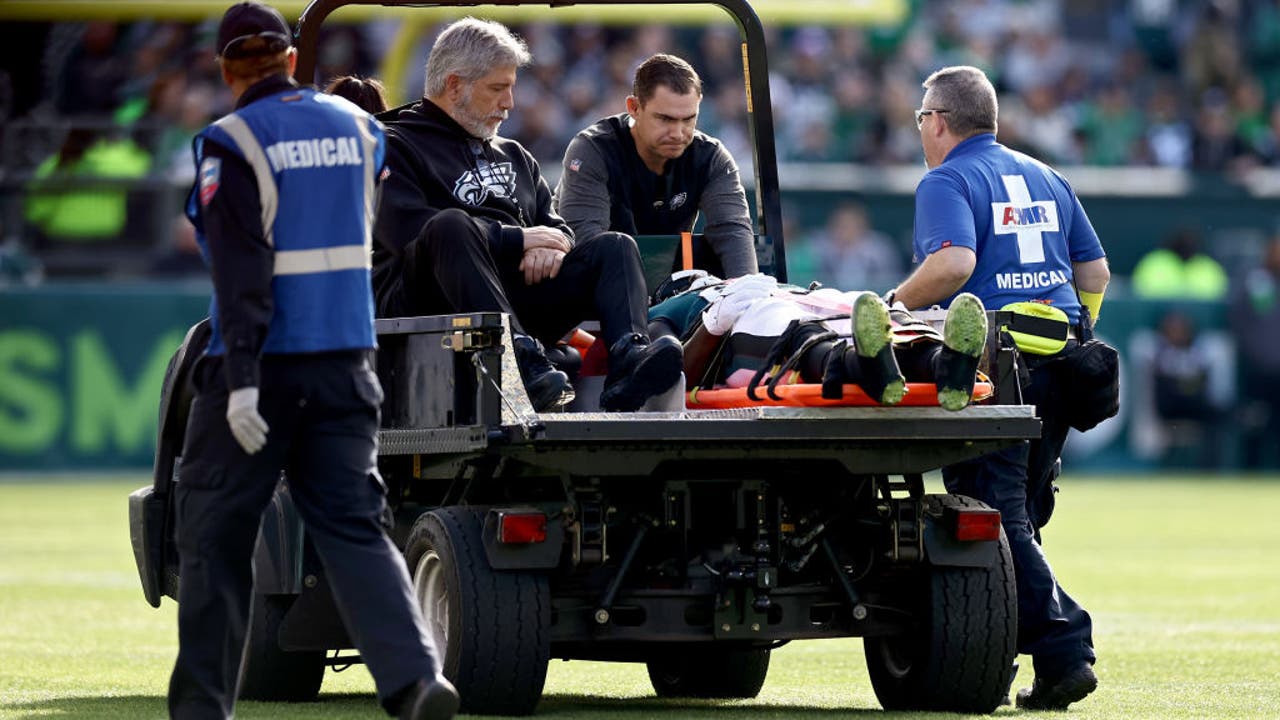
x=753, y=284
x=704, y=281
x=730, y=301
x=248, y=427
x=696, y=279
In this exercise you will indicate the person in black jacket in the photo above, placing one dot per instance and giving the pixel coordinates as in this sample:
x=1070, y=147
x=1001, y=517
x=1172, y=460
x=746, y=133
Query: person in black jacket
x=465, y=224
x=650, y=171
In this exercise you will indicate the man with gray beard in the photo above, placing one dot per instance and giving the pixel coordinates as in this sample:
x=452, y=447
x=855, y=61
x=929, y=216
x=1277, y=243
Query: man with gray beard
x=465, y=225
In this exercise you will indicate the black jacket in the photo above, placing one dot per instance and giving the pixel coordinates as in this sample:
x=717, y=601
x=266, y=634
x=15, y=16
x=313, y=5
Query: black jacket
x=642, y=202
x=433, y=164
x=606, y=186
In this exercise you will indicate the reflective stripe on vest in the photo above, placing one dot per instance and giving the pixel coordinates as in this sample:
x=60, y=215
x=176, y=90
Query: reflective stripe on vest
x=300, y=262
x=238, y=129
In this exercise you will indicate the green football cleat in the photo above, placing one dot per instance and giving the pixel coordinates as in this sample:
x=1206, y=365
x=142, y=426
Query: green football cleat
x=964, y=334
x=873, y=343
x=870, y=325
x=965, y=329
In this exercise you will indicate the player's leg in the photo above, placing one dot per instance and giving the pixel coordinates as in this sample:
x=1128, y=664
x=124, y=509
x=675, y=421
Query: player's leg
x=878, y=370
x=964, y=338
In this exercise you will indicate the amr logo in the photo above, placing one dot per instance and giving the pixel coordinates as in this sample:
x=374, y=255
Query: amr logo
x=474, y=186
x=1024, y=218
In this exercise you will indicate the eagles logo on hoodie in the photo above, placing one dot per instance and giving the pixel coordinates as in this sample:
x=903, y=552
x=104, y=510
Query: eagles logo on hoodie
x=434, y=165
x=474, y=186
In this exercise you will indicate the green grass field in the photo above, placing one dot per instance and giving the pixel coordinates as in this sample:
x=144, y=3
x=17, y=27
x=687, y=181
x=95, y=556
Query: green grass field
x=1180, y=575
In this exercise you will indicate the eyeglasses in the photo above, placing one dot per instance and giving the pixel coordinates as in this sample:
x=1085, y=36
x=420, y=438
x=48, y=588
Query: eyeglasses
x=921, y=113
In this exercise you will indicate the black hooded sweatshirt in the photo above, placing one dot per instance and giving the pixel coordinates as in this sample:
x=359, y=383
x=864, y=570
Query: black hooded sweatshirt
x=433, y=164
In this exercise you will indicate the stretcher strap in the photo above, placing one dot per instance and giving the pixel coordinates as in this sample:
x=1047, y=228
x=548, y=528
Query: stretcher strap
x=788, y=369
x=835, y=375
x=784, y=355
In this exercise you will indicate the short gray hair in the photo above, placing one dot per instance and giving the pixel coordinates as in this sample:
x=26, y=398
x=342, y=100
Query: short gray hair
x=470, y=48
x=968, y=97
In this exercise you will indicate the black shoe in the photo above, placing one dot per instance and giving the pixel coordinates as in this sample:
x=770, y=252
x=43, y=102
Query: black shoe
x=565, y=358
x=639, y=369
x=1057, y=693
x=547, y=386
x=430, y=700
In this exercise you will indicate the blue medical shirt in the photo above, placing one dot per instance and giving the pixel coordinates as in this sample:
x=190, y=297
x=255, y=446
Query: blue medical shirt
x=1018, y=215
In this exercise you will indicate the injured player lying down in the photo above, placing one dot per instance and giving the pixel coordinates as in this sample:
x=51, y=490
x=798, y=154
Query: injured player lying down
x=751, y=330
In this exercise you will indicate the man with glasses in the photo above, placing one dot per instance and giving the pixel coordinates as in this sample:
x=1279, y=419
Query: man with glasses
x=286, y=381
x=1009, y=229
x=921, y=114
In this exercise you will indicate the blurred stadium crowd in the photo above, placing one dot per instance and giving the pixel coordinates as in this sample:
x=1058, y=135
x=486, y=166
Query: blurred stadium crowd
x=1160, y=83
x=98, y=117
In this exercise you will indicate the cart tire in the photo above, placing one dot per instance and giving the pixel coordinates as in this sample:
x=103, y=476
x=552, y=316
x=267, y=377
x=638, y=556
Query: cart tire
x=492, y=629
x=270, y=673
x=709, y=671
x=959, y=655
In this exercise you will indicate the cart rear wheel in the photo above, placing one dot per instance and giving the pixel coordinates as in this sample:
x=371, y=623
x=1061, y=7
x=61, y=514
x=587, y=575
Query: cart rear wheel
x=491, y=628
x=958, y=656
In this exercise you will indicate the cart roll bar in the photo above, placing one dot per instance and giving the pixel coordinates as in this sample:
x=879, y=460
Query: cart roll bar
x=755, y=72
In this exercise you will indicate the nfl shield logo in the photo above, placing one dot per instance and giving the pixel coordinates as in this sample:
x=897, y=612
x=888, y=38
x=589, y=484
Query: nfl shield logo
x=210, y=173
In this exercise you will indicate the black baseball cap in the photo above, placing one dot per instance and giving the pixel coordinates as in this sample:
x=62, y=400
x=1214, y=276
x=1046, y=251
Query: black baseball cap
x=247, y=20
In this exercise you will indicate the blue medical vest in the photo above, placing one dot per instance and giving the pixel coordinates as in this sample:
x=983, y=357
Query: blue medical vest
x=1017, y=214
x=316, y=158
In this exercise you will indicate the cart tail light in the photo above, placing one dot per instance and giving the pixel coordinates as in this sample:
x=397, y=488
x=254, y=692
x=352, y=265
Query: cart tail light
x=522, y=528
x=977, y=524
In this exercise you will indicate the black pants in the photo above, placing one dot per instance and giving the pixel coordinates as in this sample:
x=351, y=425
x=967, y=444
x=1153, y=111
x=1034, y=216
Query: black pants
x=918, y=362
x=322, y=411
x=1052, y=627
x=450, y=267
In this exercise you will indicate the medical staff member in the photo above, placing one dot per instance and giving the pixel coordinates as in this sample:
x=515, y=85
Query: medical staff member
x=283, y=206
x=1009, y=229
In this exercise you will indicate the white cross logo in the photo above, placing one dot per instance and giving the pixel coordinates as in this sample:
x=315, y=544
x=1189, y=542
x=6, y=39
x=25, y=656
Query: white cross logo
x=1025, y=218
